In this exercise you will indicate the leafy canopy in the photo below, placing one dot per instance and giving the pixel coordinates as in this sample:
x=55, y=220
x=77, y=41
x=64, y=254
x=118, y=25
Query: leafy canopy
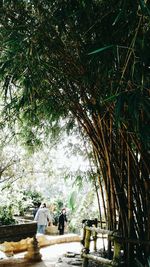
x=62, y=56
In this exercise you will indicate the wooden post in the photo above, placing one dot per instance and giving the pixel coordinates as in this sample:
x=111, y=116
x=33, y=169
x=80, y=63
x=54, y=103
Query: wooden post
x=95, y=235
x=86, y=246
x=83, y=239
x=95, y=240
x=117, y=251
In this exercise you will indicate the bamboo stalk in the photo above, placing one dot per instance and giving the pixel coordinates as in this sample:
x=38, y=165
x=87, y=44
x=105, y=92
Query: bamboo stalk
x=86, y=246
x=130, y=214
x=98, y=259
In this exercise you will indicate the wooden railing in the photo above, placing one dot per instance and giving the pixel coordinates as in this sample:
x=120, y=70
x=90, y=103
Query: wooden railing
x=118, y=243
x=91, y=233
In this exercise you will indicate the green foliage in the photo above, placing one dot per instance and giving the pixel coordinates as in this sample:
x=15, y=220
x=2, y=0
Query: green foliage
x=139, y=264
x=101, y=49
x=53, y=58
x=32, y=195
x=84, y=207
x=58, y=204
x=6, y=215
x=18, y=199
x=133, y=108
x=72, y=201
x=28, y=198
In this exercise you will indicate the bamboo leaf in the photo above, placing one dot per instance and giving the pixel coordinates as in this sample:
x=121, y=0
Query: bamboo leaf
x=144, y=7
x=117, y=18
x=72, y=200
x=111, y=98
x=100, y=49
x=139, y=264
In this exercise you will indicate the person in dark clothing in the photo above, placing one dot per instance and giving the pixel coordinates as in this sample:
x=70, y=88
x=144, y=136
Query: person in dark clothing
x=62, y=221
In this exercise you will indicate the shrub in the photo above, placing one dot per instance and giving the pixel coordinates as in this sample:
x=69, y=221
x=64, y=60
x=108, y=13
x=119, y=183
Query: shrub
x=6, y=216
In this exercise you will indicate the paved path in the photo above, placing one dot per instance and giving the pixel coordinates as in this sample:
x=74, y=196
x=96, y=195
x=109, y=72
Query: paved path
x=52, y=255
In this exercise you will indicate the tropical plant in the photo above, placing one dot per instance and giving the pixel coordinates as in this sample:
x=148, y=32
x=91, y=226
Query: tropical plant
x=88, y=61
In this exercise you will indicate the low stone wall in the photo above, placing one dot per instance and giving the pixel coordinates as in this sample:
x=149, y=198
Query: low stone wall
x=43, y=240
x=20, y=237
x=16, y=232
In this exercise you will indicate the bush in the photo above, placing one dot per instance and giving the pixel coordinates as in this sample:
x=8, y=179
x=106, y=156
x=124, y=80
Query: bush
x=6, y=216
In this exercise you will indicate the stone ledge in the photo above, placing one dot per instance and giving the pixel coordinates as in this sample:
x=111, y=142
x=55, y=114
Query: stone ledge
x=43, y=240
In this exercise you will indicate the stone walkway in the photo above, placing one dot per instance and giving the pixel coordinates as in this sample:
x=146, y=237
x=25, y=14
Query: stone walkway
x=53, y=255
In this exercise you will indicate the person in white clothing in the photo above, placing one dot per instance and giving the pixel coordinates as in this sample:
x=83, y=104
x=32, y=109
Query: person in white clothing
x=43, y=218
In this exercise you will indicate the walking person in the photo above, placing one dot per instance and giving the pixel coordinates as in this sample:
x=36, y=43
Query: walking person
x=43, y=218
x=62, y=221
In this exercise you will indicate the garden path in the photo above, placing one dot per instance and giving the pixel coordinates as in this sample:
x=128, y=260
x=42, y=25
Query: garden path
x=52, y=256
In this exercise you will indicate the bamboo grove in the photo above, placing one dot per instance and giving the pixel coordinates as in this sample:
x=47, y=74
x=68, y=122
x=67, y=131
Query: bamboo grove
x=88, y=61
